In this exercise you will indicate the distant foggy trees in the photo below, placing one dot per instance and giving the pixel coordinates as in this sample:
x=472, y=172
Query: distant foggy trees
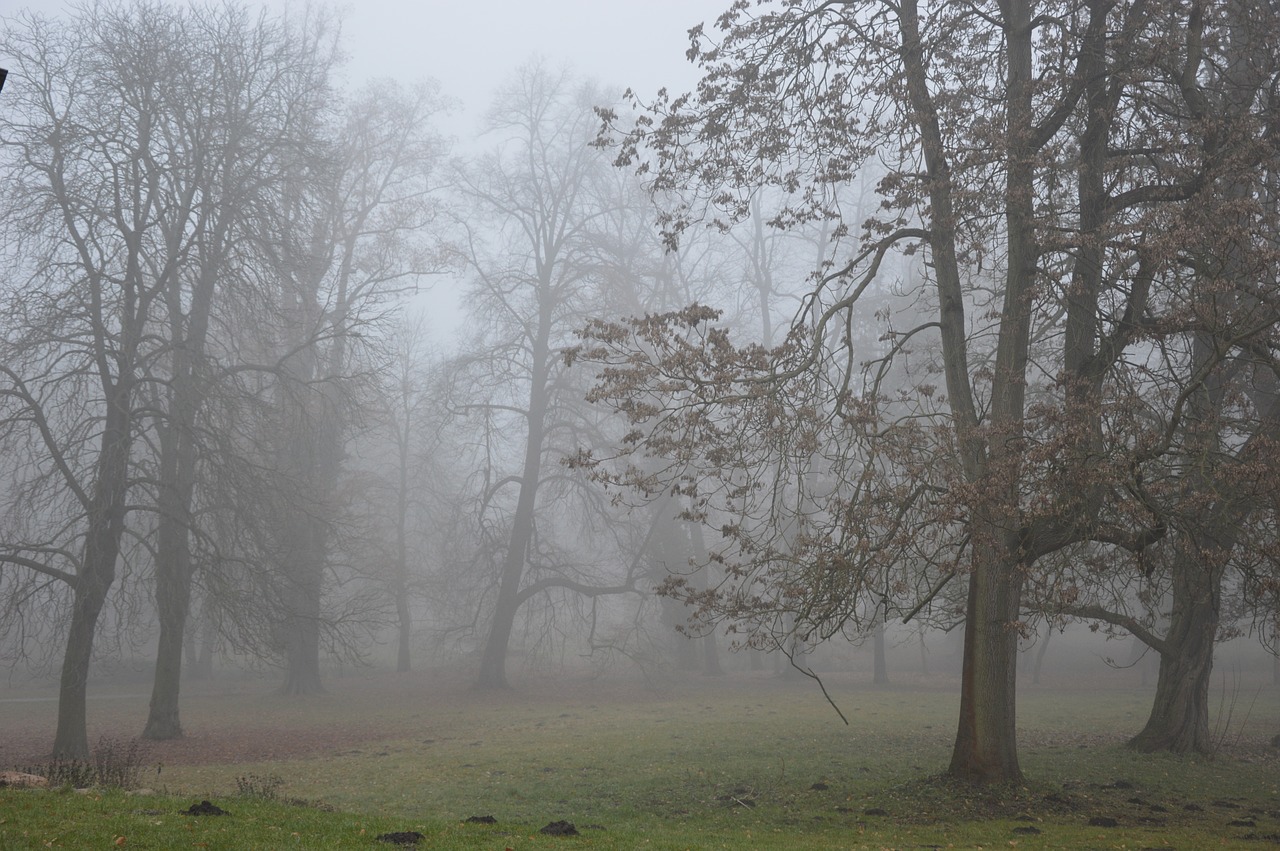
x=537, y=253
x=351, y=230
x=122, y=173
x=234, y=148
x=193, y=241
x=1086, y=215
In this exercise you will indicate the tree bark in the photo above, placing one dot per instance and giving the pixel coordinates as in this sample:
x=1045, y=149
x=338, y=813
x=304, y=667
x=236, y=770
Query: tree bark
x=493, y=673
x=106, y=515
x=985, y=748
x=173, y=594
x=493, y=663
x=707, y=645
x=189, y=315
x=200, y=664
x=1179, y=719
x=404, y=635
x=173, y=556
x=404, y=616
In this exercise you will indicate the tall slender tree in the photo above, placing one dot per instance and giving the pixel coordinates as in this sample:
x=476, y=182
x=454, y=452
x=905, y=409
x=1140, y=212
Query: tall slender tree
x=538, y=271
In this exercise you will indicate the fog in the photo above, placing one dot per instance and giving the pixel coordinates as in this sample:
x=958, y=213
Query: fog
x=401, y=341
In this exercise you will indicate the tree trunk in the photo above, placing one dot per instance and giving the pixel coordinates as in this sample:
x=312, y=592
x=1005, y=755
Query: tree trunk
x=404, y=616
x=188, y=330
x=405, y=634
x=173, y=595
x=197, y=645
x=986, y=742
x=493, y=664
x=1179, y=719
x=71, y=740
x=881, y=670
x=106, y=515
x=710, y=650
x=173, y=567
x=304, y=587
x=203, y=667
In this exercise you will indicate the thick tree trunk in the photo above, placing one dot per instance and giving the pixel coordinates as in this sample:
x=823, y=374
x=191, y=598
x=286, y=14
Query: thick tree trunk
x=493, y=663
x=173, y=570
x=315, y=460
x=71, y=740
x=404, y=616
x=202, y=667
x=986, y=749
x=197, y=645
x=1179, y=719
x=710, y=649
x=189, y=326
x=173, y=594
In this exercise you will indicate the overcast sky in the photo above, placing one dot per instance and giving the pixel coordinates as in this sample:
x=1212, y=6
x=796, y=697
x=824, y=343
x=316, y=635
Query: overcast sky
x=472, y=46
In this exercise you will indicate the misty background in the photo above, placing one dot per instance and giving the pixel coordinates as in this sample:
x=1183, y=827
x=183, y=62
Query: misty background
x=299, y=377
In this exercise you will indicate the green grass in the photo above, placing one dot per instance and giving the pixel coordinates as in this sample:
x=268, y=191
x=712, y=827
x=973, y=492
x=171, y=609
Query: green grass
x=746, y=762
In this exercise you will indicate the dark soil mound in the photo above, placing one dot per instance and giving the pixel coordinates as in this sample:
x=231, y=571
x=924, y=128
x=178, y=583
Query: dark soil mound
x=204, y=808
x=481, y=820
x=404, y=837
x=560, y=828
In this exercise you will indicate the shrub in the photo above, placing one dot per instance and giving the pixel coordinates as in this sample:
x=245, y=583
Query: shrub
x=265, y=788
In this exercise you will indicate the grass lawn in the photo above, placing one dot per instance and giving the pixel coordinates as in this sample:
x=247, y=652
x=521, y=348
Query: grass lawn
x=744, y=761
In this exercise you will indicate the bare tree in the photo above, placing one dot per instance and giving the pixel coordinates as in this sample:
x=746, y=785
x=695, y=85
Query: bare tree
x=402, y=456
x=354, y=229
x=233, y=147
x=1037, y=157
x=1207, y=469
x=91, y=210
x=547, y=196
